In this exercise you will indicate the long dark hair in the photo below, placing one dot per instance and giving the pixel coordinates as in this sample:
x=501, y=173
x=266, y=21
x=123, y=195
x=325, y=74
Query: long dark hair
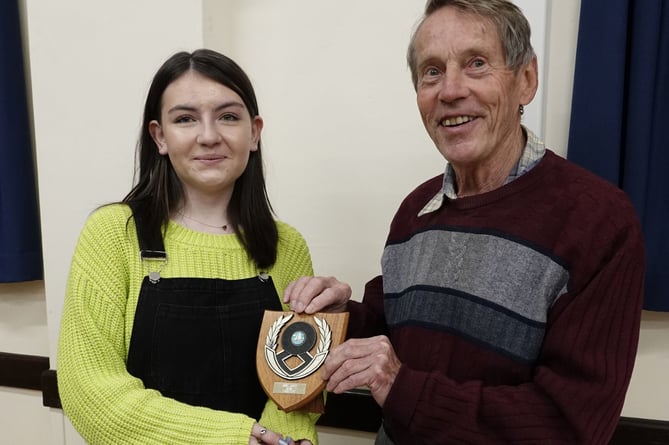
x=157, y=189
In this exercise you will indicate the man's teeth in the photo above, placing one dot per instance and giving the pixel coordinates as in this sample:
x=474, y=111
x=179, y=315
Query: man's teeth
x=453, y=121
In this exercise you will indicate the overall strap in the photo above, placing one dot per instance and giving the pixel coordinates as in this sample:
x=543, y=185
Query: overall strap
x=151, y=247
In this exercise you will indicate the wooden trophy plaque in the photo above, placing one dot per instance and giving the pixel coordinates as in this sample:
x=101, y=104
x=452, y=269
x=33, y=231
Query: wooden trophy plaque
x=291, y=348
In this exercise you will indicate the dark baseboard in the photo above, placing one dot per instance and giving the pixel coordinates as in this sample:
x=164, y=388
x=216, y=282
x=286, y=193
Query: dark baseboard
x=633, y=431
x=355, y=410
x=22, y=371
x=50, y=396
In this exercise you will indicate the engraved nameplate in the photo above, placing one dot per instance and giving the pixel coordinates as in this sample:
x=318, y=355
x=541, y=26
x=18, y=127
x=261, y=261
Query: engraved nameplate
x=289, y=388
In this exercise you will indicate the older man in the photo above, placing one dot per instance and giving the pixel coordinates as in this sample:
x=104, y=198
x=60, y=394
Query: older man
x=509, y=303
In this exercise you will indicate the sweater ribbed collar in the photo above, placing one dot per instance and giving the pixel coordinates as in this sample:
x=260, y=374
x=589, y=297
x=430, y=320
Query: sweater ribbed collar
x=532, y=153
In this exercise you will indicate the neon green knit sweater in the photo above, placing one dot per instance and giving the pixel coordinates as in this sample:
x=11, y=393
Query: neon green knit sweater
x=103, y=401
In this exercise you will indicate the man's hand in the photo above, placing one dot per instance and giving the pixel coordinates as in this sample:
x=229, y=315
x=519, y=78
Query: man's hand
x=359, y=362
x=317, y=294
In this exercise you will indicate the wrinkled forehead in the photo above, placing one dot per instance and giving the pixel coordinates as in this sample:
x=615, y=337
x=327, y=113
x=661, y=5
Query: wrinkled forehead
x=455, y=30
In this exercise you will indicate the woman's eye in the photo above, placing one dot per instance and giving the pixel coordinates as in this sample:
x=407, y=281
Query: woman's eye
x=184, y=119
x=430, y=72
x=229, y=117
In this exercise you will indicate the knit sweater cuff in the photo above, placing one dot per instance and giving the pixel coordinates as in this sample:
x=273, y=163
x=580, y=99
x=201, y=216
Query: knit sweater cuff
x=403, y=397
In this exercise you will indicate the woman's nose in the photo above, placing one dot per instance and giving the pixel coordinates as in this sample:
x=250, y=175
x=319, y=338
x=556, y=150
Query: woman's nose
x=209, y=134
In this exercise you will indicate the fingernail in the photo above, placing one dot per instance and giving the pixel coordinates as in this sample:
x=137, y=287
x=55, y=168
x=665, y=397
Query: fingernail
x=282, y=442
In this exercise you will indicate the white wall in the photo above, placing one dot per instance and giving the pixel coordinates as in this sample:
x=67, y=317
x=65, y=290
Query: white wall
x=91, y=64
x=343, y=141
x=23, y=330
x=343, y=138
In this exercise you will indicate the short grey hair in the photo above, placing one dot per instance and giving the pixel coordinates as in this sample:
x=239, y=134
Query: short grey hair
x=512, y=26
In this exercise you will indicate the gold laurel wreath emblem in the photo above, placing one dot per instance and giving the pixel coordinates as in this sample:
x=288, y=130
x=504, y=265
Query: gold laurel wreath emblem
x=321, y=352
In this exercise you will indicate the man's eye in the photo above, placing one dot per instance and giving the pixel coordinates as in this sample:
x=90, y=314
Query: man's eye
x=478, y=63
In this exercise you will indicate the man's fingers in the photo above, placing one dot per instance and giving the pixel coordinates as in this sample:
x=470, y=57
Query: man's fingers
x=351, y=374
x=351, y=350
x=370, y=362
x=313, y=294
x=295, y=289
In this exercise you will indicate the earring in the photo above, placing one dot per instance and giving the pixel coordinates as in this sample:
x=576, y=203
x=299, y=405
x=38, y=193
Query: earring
x=521, y=109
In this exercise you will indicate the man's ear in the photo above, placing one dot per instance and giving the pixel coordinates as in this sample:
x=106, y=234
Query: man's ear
x=529, y=81
x=156, y=132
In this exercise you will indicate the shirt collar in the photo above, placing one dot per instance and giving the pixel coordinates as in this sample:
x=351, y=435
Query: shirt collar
x=532, y=153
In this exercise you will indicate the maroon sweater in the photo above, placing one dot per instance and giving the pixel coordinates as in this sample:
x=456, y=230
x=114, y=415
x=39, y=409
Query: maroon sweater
x=515, y=313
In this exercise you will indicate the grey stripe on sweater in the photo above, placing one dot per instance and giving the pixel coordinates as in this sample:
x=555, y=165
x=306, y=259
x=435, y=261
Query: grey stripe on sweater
x=483, y=286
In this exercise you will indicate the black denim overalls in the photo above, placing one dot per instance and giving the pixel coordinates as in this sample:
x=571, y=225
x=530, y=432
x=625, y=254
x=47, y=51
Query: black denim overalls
x=194, y=339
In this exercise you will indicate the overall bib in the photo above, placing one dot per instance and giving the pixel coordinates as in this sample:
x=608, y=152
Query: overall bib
x=194, y=339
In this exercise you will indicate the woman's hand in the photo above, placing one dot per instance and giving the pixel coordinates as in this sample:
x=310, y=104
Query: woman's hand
x=262, y=436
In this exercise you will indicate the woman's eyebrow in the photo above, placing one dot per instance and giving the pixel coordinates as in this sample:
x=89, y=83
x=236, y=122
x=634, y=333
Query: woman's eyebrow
x=191, y=108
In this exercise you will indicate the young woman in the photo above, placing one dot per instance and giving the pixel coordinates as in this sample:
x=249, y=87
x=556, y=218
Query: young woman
x=167, y=288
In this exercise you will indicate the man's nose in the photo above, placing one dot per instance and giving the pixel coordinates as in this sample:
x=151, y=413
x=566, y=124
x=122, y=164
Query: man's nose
x=453, y=86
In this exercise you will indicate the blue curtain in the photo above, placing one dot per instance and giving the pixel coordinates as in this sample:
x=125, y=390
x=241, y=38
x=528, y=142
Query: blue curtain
x=620, y=116
x=20, y=244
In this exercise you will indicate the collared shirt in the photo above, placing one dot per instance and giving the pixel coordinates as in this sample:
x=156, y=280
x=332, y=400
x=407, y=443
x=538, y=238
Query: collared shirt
x=532, y=153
